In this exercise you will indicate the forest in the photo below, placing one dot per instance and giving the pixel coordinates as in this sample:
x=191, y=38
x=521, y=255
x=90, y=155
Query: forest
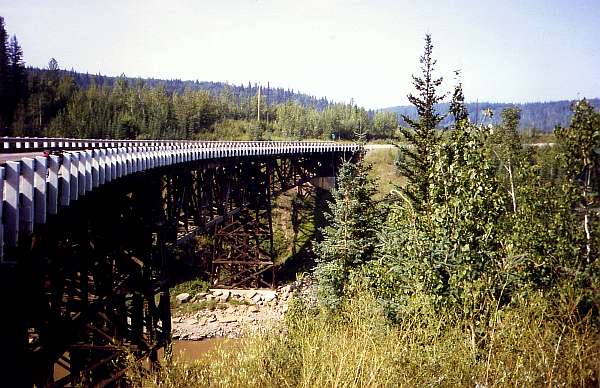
x=99, y=107
x=536, y=117
x=56, y=102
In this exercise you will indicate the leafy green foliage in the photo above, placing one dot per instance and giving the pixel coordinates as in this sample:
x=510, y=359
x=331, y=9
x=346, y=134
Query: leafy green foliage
x=544, y=228
x=385, y=125
x=580, y=156
x=457, y=107
x=505, y=145
x=451, y=252
x=580, y=145
x=505, y=137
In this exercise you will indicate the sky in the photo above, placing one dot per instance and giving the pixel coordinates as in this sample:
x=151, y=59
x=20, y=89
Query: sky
x=507, y=51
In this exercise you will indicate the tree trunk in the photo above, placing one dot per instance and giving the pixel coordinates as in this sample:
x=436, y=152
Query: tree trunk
x=512, y=187
x=586, y=216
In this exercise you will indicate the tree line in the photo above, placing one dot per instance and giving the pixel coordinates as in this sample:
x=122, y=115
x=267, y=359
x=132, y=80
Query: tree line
x=55, y=105
x=55, y=102
x=273, y=95
x=536, y=117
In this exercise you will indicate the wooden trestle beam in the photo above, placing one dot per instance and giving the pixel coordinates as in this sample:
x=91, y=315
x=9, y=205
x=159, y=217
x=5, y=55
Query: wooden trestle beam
x=92, y=282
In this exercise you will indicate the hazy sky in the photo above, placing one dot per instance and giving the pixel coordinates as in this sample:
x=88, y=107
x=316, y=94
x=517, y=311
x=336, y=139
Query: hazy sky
x=509, y=50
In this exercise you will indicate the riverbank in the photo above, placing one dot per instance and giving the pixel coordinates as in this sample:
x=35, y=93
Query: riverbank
x=223, y=313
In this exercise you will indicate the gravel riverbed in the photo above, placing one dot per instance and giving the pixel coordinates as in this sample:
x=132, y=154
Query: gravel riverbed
x=234, y=313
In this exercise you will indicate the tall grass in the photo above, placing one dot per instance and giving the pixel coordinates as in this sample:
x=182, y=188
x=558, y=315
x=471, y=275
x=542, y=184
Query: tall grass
x=536, y=342
x=384, y=170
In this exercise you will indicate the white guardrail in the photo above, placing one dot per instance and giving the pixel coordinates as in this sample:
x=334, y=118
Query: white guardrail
x=36, y=186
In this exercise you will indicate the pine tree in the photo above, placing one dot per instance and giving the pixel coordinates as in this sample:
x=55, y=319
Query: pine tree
x=349, y=239
x=3, y=47
x=17, y=79
x=53, y=66
x=421, y=136
x=4, y=89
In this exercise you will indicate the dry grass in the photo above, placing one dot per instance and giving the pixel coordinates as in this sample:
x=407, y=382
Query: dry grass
x=535, y=343
x=384, y=170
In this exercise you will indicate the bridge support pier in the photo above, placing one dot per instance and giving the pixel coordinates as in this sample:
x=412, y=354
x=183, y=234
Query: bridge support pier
x=91, y=283
x=87, y=286
x=243, y=244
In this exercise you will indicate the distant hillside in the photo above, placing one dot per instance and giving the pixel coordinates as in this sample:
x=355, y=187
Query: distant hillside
x=272, y=95
x=543, y=116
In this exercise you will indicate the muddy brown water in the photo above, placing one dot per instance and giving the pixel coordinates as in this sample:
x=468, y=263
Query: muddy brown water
x=188, y=351
x=198, y=350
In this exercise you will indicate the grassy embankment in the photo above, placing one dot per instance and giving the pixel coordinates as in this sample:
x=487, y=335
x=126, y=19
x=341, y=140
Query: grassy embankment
x=384, y=170
x=534, y=343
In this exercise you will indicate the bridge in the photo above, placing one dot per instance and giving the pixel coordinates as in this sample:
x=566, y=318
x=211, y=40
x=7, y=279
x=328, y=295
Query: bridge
x=90, y=227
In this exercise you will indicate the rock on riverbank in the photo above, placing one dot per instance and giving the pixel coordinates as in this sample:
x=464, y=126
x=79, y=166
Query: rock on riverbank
x=231, y=313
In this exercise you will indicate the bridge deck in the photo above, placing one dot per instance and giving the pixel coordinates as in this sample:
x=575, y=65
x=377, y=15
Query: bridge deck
x=35, y=183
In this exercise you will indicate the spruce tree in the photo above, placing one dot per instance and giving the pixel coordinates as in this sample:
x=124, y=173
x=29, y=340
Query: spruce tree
x=3, y=47
x=421, y=136
x=17, y=79
x=349, y=239
x=4, y=89
x=53, y=66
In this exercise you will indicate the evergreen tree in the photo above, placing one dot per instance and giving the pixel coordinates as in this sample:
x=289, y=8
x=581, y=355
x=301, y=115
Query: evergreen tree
x=4, y=88
x=53, y=65
x=17, y=79
x=3, y=47
x=349, y=239
x=421, y=136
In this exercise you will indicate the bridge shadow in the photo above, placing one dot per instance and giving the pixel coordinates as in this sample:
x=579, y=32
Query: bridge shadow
x=311, y=220
x=191, y=261
x=189, y=269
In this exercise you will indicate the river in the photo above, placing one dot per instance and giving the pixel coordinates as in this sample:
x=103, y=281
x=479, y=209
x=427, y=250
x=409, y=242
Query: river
x=197, y=350
x=182, y=350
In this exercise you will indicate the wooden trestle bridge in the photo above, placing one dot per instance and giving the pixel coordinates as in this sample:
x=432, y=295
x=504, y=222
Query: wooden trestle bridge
x=89, y=227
